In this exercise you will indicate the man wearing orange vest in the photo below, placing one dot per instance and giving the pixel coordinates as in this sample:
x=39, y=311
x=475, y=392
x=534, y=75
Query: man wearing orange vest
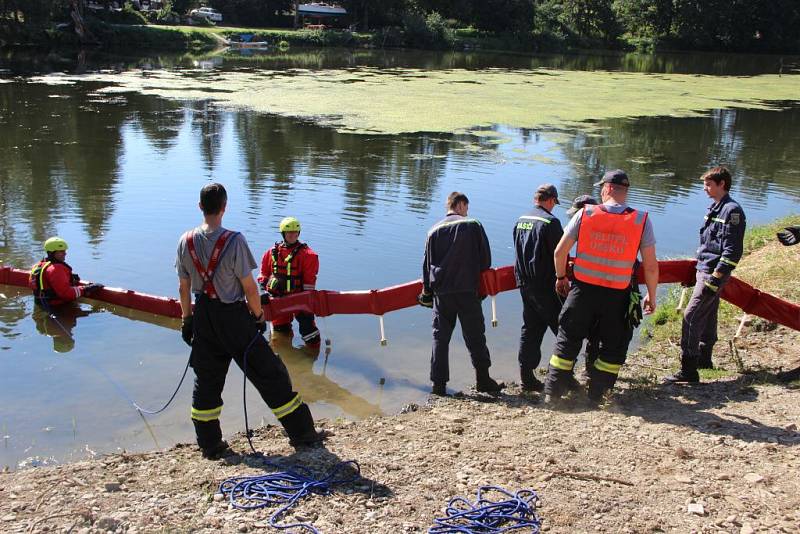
x=609, y=237
x=290, y=266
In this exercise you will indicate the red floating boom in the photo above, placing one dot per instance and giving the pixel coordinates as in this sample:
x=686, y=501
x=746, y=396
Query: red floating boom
x=381, y=301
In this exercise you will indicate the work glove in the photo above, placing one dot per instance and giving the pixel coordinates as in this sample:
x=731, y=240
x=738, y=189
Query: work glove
x=634, y=312
x=74, y=279
x=265, y=299
x=789, y=236
x=261, y=323
x=187, y=333
x=88, y=289
x=425, y=299
x=711, y=286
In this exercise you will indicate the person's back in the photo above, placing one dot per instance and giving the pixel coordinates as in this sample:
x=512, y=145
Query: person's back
x=536, y=235
x=608, y=238
x=227, y=323
x=456, y=251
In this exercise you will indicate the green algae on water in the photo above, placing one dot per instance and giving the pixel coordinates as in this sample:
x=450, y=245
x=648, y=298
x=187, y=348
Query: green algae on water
x=413, y=100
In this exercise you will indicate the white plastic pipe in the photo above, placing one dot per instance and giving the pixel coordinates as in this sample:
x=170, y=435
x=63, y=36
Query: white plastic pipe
x=383, y=331
x=682, y=300
x=741, y=325
x=494, y=312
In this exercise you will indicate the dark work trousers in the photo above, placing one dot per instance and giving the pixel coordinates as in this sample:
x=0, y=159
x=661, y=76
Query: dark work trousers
x=467, y=308
x=308, y=327
x=699, y=328
x=596, y=312
x=540, y=310
x=223, y=332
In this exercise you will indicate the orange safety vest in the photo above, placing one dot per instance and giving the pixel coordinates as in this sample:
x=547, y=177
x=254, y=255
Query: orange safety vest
x=607, y=246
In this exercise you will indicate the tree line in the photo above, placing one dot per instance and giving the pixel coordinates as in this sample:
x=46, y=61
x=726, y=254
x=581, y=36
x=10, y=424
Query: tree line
x=718, y=25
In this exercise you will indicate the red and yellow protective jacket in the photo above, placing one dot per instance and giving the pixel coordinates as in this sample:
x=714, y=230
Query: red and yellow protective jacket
x=53, y=282
x=289, y=269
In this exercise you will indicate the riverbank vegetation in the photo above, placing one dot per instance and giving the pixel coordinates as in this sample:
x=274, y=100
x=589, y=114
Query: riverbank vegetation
x=520, y=25
x=766, y=265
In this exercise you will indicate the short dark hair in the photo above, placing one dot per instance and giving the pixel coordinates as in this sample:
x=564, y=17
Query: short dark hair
x=717, y=175
x=455, y=198
x=213, y=198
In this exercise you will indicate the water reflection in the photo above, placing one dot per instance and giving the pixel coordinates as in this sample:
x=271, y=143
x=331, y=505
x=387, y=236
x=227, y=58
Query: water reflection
x=24, y=61
x=59, y=324
x=315, y=387
x=118, y=177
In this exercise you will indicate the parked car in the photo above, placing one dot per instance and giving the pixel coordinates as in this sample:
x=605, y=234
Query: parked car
x=207, y=13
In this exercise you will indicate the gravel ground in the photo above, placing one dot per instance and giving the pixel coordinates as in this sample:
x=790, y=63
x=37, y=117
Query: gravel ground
x=721, y=456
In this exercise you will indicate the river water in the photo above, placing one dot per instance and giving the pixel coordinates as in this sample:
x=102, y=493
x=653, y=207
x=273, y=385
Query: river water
x=362, y=147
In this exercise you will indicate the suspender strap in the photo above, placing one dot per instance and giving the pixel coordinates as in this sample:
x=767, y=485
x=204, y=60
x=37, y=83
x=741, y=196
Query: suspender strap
x=207, y=273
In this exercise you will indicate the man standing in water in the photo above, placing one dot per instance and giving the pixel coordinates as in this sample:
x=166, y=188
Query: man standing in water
x=291, y=266
x=228, y=323
x=456, y=252
x=52, y=280
x=721, y=247
x=536, y=235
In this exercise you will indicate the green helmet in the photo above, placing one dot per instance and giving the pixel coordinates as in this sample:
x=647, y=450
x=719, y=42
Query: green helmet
x=289, y=224
x=54, y=244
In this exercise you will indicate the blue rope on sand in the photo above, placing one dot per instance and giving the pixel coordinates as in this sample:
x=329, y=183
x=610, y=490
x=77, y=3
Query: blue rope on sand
x=285, y=489
x=515, y=513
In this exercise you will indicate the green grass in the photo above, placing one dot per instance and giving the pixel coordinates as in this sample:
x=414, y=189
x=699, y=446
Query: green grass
x=714, y=374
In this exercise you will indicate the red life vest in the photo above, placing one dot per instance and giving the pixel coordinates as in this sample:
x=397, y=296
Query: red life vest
x=608, y=244
x=207, y=273
x=285, y=279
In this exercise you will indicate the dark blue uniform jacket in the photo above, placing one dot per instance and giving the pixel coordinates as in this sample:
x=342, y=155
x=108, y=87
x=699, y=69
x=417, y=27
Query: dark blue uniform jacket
x=536, y=235
x=456, y=252
x=721, y=237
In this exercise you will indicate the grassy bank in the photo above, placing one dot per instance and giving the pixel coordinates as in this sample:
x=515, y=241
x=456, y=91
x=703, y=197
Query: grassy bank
x=766, y=265
x=197, y=38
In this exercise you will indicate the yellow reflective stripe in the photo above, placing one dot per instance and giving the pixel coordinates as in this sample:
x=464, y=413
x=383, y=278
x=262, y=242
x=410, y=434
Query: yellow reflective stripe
x=289, y=407
x=712, y=287
x=561, y=363
x=612, y=368
x=535, y=218
x=729, y=262
x=288, y=275
x=41, y=274
x=206, y=415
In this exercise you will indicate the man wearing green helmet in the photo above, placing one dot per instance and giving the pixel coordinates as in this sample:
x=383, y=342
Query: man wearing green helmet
x=52, y=280
x=290, y=266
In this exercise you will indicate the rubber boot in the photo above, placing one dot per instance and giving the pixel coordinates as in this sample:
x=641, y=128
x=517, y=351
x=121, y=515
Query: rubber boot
x=439, y=389
x=300, y=426
x=485, y=383
x=528, y=380
x=704, y=362
x=209, y=439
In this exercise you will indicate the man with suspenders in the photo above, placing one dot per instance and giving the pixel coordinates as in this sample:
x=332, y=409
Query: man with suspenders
x=227, y=323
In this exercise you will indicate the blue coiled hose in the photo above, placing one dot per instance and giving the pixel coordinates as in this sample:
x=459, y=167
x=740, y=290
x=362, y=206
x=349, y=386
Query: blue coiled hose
x=515, y=513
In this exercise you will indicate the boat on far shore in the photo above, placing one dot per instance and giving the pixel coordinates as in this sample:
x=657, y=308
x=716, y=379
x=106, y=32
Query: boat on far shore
x=245, y=40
